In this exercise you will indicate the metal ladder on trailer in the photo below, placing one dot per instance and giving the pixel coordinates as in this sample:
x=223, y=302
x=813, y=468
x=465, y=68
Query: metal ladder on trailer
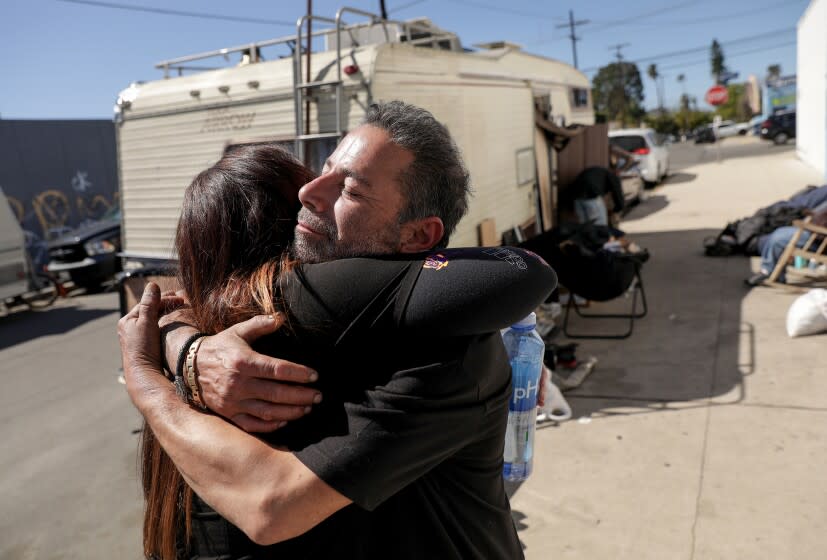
x=302, y=90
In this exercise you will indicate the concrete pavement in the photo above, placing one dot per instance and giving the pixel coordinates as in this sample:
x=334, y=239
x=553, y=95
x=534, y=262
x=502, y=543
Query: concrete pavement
x=703, y=435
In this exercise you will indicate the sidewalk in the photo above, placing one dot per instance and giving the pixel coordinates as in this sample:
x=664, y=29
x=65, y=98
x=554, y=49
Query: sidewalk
x=704, y=435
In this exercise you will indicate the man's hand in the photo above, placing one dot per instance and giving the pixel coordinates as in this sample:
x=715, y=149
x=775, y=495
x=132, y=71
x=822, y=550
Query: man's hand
x=255, y=391
x=141, y=345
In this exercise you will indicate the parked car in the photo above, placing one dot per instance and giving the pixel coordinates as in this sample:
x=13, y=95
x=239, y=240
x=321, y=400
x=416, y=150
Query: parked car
x=633, y=186
x=727, y=129
x=779, y=128
x=88, y=254
x=652, y=155
x=704, y=134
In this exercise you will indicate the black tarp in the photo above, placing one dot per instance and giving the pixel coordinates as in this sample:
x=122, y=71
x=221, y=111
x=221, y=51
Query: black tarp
x=58, y=174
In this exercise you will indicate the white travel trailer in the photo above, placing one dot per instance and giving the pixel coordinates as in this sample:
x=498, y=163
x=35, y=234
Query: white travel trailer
x=170, y=129
x=14, y=263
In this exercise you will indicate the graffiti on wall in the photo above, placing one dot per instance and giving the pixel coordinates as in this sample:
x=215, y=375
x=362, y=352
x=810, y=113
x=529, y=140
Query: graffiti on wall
x=48, y=213
x=52, y=211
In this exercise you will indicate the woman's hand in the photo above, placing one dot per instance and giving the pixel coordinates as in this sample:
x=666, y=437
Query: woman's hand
x=140, y=340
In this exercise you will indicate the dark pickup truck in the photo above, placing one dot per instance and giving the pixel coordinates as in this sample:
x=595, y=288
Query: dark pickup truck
x=88, y=254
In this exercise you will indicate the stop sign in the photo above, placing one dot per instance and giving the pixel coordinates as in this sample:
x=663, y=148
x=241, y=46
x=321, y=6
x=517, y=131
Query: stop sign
x=717, y=95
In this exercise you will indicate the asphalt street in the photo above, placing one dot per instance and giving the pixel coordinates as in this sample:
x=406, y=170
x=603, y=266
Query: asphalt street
x=686, y=154
x=69, y=487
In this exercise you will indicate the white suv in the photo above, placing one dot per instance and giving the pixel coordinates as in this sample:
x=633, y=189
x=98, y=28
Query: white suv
x=652, y=155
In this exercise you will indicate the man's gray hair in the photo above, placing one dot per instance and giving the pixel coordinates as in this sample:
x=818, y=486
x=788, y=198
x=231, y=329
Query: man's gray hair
x=437, y=182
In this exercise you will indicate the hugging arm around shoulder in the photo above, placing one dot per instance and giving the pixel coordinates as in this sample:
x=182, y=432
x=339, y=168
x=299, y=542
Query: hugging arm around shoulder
x=449, y=292
x=471, y=291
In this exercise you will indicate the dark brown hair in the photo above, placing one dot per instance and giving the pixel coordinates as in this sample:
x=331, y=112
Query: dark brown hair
x=236, y=225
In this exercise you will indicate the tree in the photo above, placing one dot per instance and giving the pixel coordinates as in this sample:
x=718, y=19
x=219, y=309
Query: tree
x=652, y=71
x=681, y=80
x=617, y=91
x=773, y=72
x=717, y=61
x=735, y=108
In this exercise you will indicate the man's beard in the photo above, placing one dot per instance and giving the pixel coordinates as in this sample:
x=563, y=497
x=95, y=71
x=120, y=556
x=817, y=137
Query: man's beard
x=313, y=249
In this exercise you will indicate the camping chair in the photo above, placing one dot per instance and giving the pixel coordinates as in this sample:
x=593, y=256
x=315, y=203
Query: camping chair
x=599, y=276
x=631, y=281
x=819, y=234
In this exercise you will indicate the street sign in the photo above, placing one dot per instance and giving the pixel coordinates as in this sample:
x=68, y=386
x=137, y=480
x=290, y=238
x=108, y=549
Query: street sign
x=727, y=77
x=717, y=95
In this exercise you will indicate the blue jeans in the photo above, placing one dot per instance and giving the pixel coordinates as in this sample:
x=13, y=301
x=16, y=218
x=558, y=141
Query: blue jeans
x=775, y=245
x=591, y=210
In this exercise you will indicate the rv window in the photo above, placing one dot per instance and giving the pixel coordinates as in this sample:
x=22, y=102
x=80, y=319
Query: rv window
x=580, y=97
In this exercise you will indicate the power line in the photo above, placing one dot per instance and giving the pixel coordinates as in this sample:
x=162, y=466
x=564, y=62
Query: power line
x=407, y=5
x=755, y=11
x=574, y=38
x=704, y=48
x=615, y=23
x=166, y=12
x=502, y=10
x=731, y=55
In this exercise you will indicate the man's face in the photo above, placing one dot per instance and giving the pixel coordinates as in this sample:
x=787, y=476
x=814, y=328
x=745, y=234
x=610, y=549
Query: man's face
x=353, y=207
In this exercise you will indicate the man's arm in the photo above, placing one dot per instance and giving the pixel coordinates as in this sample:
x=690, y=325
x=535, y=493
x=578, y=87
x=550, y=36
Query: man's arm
x=252, y=390
x=267, y=493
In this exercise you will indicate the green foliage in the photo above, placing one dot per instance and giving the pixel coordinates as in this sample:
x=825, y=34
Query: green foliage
x=735, y=108
x=678, y=122
x=664, y=123
x=773, y=72
x=717, y=60
x=652, y=72
x=617, y=91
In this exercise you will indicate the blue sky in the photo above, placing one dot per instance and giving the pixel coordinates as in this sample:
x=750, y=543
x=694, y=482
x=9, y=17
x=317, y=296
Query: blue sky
x=62, y=59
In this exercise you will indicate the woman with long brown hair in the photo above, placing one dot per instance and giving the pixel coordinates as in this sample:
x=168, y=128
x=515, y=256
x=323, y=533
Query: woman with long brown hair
x=232, y=241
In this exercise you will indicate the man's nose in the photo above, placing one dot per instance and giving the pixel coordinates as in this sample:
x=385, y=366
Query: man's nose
x=319, y=195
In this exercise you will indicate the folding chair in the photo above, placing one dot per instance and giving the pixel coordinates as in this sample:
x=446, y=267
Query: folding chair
x=636, y=286
x=807, y=251
x=594, y=275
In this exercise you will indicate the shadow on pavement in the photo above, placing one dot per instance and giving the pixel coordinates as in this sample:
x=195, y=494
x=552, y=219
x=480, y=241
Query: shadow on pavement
x=680, y=177
x=690, y=347
x=22, y=326
x=734, y=151
x=653, y=203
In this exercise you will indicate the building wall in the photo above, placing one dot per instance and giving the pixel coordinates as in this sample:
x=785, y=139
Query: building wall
x=811, y=130
x=57, y=174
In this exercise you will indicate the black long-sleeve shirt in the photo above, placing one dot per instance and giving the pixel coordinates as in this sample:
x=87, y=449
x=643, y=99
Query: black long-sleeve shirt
x=593, y=182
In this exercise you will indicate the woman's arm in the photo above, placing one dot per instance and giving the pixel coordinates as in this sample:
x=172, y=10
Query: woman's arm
x=267, y=493
x=470, y=291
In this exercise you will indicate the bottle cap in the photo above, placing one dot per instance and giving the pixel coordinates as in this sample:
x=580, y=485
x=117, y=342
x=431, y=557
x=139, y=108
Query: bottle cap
x=525, y=324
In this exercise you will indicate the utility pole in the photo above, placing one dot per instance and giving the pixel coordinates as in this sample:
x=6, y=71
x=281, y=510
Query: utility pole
x=574, y=38
x=622, y=75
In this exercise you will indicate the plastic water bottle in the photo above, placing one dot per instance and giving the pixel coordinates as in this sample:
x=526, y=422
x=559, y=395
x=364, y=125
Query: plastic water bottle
x=525, y=351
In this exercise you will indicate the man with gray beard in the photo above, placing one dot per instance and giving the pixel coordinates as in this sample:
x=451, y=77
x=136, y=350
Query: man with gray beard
x=416, y=473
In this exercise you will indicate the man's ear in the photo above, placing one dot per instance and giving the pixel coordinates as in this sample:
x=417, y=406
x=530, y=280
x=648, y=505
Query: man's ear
x=420, y=235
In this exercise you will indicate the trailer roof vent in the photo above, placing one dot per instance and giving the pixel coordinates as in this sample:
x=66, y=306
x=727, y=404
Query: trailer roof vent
x=494, y=45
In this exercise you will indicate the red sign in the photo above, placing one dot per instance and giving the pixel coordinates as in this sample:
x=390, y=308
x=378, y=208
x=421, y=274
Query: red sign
x=717, y=95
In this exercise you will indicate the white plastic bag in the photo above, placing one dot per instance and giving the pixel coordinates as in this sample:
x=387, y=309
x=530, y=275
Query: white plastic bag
x=556, y=407
x=808, y=314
